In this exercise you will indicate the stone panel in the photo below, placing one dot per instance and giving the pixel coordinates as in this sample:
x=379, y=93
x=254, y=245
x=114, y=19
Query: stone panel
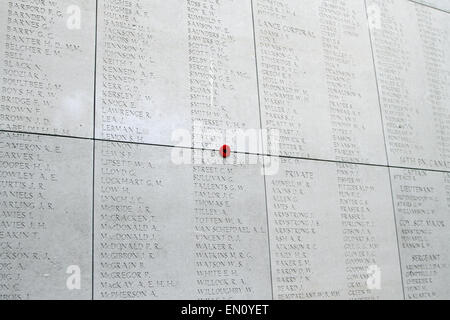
x=317, y=80
x=332, y=232
x=179, y=231
x=438, y=4
x=45, y=217
x=422, y=205
x=47, y=49
x=174, y=66
x=411, y=45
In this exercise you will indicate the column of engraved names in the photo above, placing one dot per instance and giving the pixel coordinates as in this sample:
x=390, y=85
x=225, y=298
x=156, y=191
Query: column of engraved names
x=126, y=227
x=126, y=62
x=40, y=235
x=339, y=20
x=35, y=96
x=25, y=205
x=230, y=234
x=175, y=65
x=360, y=240
x=294, y=234
x=437, y=66
x=317, y=80
x=279, y=69
x=421, y=204
x=217, y=78
x=412, y=68
x=392, y=66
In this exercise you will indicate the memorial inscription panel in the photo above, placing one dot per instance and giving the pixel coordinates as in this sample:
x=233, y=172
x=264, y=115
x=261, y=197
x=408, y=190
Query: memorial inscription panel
x=175, y=65
x=411, y=47
x=188, y=231
x=45, y=216
x=317, y=80
x=422, y=206
x=47, y=50
x=331, y=225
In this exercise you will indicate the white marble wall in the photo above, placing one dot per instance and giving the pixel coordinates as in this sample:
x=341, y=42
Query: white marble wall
x=345, y=196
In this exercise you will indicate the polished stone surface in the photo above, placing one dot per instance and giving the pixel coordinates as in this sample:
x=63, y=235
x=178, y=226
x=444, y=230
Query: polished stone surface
x=45, y=217
x=171, y=66
x=422, y=205
x=336, y=113
x=47, y=77
x=317, y=80
x=331, y=225
x=165, y=230
x=411, y=46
